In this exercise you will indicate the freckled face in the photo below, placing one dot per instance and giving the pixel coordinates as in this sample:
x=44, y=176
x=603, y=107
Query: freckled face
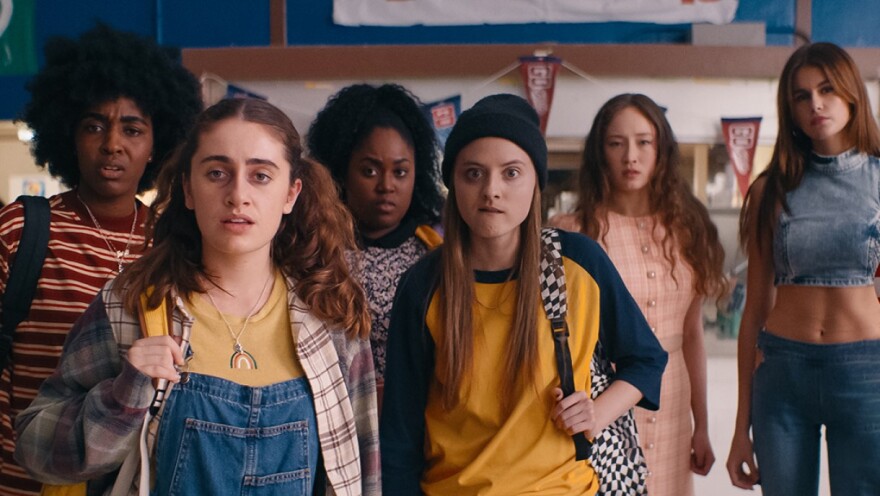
x=239, y=188
x=494, y=182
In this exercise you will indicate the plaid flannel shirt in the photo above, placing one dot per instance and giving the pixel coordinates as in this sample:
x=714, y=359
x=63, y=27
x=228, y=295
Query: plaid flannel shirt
x=89, y=412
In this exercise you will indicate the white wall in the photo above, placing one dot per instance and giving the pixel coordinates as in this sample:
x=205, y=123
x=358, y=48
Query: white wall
x=695, y=106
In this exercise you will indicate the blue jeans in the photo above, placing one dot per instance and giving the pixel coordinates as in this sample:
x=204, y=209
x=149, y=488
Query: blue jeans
x=798, y=388
x=218, y=437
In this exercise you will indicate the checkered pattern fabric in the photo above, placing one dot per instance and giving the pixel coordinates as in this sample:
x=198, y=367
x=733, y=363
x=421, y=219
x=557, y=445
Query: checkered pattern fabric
x=616, y=455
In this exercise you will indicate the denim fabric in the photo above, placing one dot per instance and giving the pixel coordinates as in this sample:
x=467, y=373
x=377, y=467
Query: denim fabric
x=831, y=237
x=798, y=388
x=217, y=437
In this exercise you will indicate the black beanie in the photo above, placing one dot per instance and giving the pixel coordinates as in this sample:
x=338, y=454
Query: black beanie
x=500, y=116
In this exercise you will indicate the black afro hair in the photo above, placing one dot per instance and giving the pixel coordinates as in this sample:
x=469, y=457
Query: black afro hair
x=351, y=115
x=106, y=64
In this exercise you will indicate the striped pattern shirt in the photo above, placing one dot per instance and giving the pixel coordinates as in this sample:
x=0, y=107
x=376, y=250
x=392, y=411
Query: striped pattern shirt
x=78, y=263
x=89, y=412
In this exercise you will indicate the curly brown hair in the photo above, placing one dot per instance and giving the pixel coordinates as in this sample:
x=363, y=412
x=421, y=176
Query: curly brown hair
x=684, y=218
x=309, y=246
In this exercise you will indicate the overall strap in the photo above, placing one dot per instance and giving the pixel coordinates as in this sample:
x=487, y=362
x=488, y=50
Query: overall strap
x=556, y=307
x=25, y=270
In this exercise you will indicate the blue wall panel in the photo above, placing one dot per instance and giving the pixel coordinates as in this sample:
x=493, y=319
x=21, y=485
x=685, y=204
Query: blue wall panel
x=221, y=23
x=847, y=22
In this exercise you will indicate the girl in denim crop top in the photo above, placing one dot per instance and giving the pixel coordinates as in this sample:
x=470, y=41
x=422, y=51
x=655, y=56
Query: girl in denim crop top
x=809, y=342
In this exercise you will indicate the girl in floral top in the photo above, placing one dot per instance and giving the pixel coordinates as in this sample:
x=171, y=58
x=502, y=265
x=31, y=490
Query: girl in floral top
x=382, y=153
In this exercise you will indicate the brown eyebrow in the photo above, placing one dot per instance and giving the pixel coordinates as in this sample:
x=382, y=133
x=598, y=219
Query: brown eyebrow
x=251, y=161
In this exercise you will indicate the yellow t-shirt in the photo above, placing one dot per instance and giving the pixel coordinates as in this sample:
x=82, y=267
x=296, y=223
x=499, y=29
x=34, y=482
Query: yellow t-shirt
x=474, y=448
x=268, y=338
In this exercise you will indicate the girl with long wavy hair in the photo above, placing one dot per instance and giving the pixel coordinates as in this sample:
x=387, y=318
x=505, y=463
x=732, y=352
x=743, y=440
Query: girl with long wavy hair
x=472, y=397
x=809, y=341
x=634, y=202
x=268, y=355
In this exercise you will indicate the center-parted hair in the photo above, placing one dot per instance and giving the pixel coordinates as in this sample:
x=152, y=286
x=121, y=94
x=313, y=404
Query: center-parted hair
x=309, y=246
x=684, y=218
x=793, y=147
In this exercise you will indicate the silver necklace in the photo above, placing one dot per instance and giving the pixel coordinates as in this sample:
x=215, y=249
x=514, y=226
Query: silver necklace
x=120, y=255
x=240, y=358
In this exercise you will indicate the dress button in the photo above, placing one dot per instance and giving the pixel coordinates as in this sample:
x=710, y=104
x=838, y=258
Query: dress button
x=653, y=419
x=650, y=445
x=652, y=303
x=644, y=248
x=649, y=474
x=641, y=224
x=654, y=329
x=651, y=274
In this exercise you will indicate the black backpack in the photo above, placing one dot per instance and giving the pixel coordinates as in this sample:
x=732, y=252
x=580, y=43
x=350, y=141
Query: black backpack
x=24, y=272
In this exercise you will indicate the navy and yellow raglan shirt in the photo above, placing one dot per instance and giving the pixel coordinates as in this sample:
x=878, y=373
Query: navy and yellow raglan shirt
x=474, y=449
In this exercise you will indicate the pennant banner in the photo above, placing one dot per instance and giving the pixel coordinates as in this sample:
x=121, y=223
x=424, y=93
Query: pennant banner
x=443, y=115
x=539, y=79
x=741, y=138
x=233, y=91
x=17, y=53
x=470, y=12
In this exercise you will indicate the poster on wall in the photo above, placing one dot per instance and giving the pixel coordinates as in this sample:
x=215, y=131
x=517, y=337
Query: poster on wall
x=469, y=12
x=443, y=115
x=32, y=184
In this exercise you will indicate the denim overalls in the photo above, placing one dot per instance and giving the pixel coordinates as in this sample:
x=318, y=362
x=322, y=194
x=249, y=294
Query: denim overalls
x=217, y=437
x=831, y=238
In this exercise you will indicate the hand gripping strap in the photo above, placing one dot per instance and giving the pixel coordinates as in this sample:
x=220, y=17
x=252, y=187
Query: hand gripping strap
x=556, y=306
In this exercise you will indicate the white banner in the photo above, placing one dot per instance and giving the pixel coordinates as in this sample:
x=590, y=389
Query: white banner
x=470, y=12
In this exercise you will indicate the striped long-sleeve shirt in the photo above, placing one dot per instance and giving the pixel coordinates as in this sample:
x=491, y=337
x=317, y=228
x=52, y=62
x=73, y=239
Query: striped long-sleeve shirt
x=78, y=263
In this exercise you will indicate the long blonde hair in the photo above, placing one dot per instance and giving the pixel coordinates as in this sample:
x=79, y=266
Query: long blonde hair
x=456, y=290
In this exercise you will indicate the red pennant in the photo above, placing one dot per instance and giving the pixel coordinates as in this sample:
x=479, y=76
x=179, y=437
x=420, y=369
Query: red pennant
x=741, y=138
x=539, y=79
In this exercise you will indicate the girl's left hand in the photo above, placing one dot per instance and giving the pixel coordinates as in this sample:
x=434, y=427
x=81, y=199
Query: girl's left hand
x=702, y=458
x=574, y=413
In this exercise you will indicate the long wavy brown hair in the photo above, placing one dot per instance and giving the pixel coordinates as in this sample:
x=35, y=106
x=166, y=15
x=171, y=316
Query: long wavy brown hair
x=309, y=246
x=456, y=290
x=686, y=221
x=793, y=147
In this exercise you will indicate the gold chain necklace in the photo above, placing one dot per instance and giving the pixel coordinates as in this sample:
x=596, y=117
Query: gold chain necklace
x=118, y=254
x=240, y=358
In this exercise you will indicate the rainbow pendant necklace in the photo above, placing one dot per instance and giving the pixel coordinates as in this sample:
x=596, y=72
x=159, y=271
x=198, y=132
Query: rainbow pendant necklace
x=241, y=358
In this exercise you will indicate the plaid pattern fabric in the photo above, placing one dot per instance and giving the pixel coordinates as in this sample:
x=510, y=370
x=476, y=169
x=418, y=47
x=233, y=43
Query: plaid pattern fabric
x=89, y=412
x=616, y=455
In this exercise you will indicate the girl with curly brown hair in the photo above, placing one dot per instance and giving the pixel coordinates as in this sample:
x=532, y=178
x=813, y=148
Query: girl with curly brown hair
x=268, y=351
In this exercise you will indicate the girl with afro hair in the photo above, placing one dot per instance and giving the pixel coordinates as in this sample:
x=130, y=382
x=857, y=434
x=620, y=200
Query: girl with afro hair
x=106, y=110
x=382, y=153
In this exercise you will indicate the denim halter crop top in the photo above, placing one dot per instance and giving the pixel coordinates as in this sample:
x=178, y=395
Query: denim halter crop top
x=831, y=237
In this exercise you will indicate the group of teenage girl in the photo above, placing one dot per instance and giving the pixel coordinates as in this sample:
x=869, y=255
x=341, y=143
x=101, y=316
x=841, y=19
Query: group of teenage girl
x=333, y=323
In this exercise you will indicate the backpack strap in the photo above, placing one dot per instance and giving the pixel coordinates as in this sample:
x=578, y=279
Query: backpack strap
x=25, y=271
x=429, y=236
x=556, y=307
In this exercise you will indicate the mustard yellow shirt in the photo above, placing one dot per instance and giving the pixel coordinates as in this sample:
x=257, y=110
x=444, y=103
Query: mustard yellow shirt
x=267, y=338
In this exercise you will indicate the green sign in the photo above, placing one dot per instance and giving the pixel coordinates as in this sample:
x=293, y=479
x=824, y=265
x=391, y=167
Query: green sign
x=17, y=54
